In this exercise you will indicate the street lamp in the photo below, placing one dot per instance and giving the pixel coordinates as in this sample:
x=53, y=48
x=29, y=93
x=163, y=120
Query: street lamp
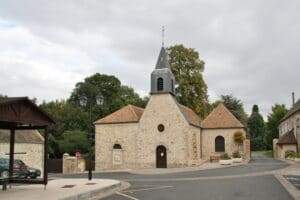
x=83, y=101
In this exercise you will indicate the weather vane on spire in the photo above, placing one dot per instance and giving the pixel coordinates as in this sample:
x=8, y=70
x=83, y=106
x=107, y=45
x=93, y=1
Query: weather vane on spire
x=163, y=36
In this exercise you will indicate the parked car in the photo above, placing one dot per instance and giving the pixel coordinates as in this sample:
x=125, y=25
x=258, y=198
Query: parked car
x=3, y=168
x=33, y=173
x=20, y=169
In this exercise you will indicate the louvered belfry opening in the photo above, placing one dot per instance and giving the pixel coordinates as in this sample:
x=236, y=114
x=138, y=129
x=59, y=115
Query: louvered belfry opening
x=160, y=84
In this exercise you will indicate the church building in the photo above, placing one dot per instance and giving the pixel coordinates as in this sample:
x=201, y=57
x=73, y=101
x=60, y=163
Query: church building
x=165, y=134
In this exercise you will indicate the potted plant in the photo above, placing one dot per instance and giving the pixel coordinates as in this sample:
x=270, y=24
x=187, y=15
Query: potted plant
x=236, y=157
x=225, y=159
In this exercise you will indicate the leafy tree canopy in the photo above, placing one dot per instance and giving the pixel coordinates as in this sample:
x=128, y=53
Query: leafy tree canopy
x=187, y=68
x=274, y=118
x=256, y=127
x=73, y=141
x=235, y=106
x=105, y=94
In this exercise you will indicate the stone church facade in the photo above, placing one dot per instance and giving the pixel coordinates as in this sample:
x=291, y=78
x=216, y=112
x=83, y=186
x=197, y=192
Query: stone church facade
x=165, y=134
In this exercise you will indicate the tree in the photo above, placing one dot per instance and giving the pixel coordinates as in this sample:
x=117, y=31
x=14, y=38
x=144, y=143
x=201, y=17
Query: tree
x=256, y=127
x=187, y=68
x=73, y=141
x=67, y=116
x=274, y=118
x=2, y=96
x=235, y=106
x=104, y=94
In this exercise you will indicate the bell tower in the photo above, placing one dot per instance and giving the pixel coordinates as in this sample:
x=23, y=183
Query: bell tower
x=162, y=78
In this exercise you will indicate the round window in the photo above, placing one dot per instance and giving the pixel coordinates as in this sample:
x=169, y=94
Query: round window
x=161, y=128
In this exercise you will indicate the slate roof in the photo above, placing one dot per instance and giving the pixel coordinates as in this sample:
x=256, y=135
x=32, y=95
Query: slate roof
x=221, y=117
x=287, y=138
x=190, y=116
x=22, y=136
x=127, y=114
x=293, y=110
x=162, y=61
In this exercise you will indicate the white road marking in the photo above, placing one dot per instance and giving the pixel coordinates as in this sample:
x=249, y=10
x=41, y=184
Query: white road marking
x=151, y=188
x=127, y=196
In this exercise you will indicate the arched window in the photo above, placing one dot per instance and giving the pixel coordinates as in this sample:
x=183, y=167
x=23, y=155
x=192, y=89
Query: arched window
x=219, y=144
x=160, y=84
x=117, y=146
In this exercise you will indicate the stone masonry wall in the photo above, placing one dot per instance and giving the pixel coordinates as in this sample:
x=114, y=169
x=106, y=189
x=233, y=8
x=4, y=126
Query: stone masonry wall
x=140, y=140
x=209, y=135
x=109, y=134
x=31, y=154
x=162, y=109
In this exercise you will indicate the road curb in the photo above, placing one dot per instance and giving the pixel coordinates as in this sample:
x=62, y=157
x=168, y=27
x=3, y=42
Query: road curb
x=97, y=193
x=288, y=186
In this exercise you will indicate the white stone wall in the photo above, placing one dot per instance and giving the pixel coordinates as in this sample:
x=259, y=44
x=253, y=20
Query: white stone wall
x=109, y=134
x=208, y=137
x=31, y=154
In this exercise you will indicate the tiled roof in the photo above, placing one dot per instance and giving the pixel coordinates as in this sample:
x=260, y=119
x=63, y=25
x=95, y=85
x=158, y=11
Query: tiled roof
x=287, y=138
x=22, y=136
x=127, y=114
x=191, y=117
x=293, y=110
x=221, y=117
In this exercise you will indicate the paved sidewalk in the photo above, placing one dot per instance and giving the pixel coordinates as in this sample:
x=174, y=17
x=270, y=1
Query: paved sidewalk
x=66, y=189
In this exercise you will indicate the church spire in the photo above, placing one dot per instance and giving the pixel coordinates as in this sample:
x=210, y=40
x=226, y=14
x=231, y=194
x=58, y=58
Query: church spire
x=162, y=78
x=163, y=60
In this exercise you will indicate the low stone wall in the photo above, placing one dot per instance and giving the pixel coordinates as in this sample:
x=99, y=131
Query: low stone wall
x=72, y=164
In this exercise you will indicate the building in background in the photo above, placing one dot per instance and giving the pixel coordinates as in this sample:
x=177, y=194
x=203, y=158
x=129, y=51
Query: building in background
x=29, y=147
x=289, y=132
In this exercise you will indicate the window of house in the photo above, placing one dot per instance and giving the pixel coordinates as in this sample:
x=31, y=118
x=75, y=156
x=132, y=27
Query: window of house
x=160, y=84
x=219, y=144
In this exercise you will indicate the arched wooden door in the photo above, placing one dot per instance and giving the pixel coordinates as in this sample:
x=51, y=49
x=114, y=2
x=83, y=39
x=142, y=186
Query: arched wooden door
x=161, y=157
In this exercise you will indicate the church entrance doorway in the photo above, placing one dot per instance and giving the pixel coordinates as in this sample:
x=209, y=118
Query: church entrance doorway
x=161, y=157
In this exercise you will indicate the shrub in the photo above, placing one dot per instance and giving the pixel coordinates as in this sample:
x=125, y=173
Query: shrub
x=239, y=137
x=236, y=154
x=224, y=156
x=290, y=154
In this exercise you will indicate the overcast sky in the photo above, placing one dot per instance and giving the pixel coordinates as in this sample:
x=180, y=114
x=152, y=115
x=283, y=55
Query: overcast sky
x=251, y=48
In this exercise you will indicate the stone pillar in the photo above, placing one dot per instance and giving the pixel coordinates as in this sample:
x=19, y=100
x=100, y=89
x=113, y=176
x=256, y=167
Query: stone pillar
x=275, y=148
x=247, y=149
x=72, y=165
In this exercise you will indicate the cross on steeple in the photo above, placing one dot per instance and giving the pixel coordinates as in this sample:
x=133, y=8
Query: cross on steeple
x=163, y=36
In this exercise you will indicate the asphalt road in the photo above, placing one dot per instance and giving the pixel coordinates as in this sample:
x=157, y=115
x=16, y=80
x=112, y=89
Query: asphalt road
x=214, y=184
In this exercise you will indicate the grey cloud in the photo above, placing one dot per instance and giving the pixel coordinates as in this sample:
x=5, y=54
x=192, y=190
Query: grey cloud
x=250, y=47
